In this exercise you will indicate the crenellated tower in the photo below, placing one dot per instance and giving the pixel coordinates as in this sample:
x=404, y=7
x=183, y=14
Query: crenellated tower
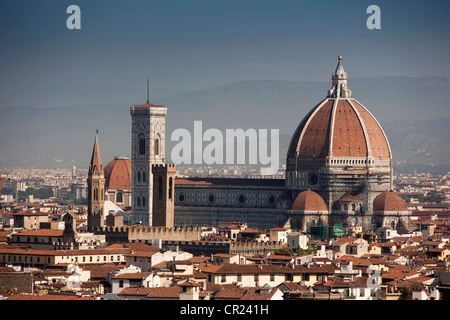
x=163, y=194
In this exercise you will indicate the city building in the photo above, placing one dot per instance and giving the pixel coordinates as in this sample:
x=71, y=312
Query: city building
x=338, y=175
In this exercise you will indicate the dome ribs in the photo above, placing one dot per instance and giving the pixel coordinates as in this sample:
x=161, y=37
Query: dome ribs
x=118, y=174
x=348, y=135
x=379, y=145
x=340, y=128
x=315, y=141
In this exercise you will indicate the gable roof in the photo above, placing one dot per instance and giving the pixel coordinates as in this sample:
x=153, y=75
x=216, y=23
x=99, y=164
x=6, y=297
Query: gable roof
x=30, y=213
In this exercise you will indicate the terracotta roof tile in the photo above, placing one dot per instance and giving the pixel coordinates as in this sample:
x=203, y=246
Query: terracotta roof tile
x=42, y=233
x=118, y=174
x=30, y=213
x=354, y=129
x=309, y=201
x=164, y=292
x=134, y=275
x=389, y=201
x=135, y=291
x=230, y=292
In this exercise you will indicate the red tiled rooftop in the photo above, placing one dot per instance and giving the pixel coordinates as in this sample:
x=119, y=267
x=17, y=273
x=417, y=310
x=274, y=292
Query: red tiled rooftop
x=135, y=291
x=309, y=201
x=148, y=105
x=351, y=129
x=30, y=213
x=389, y=201
x=118, y=174
x=164, y=292
x=135, y=275
x=42, y=233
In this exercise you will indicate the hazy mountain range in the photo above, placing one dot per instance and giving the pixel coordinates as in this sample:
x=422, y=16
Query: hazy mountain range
x=413, y=111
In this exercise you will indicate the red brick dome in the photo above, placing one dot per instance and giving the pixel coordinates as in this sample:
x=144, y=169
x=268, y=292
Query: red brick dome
x=309, y=201
x=389, y=201
x=339, y=128
x=118, y=174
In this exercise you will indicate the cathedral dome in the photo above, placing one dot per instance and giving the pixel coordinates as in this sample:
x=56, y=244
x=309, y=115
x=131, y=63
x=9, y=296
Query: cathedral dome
x=339, y=127
x=309, y=201
x=389, y=201
x=118, y=174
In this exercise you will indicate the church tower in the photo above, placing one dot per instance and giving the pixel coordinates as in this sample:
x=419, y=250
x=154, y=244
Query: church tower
x=148, y=123
x=70, y=229
x=96, y=188
x=163, y=194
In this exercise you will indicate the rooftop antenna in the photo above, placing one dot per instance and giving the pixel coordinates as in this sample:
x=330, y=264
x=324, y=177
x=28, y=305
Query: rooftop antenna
x=148, y=93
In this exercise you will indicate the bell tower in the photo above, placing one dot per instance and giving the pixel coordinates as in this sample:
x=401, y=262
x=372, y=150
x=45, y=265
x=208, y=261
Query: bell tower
x=163, y=195
x=148, y=122
x=96, y=188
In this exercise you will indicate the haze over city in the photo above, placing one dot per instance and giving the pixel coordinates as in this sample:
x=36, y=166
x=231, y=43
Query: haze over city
x=247, y=61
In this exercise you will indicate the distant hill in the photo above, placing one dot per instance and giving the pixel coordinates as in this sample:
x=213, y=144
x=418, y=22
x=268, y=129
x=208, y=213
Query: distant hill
x=420, y=145
x=413, y=111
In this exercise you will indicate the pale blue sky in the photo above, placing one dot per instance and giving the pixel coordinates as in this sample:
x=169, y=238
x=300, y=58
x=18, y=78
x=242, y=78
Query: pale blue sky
x=189, y=45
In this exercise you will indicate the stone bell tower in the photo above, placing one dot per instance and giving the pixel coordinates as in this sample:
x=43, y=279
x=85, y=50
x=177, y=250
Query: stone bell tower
x=148, y=122
x=163, y=195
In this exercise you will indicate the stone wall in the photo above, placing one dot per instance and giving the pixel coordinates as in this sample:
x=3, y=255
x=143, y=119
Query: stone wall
x=146, y=234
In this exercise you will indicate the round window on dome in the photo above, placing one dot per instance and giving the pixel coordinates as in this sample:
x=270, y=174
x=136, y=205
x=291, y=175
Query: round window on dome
x=211, y=198
x=272, y=199
x=181, y=197
x=313, y=179
x=241, y=199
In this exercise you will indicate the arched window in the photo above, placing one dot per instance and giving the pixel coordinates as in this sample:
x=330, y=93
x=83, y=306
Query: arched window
x=138, y=201
x=345, y=206
x=144, y=175
x=139, y=176
x=143, y=201
x=156, y=147
x=141, y=144
x=170, y=188
x=119, y=196
x=95, y=194
x=353, y=207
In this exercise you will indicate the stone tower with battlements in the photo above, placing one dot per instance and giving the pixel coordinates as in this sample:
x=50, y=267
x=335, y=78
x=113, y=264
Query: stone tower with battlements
x=163, y=195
